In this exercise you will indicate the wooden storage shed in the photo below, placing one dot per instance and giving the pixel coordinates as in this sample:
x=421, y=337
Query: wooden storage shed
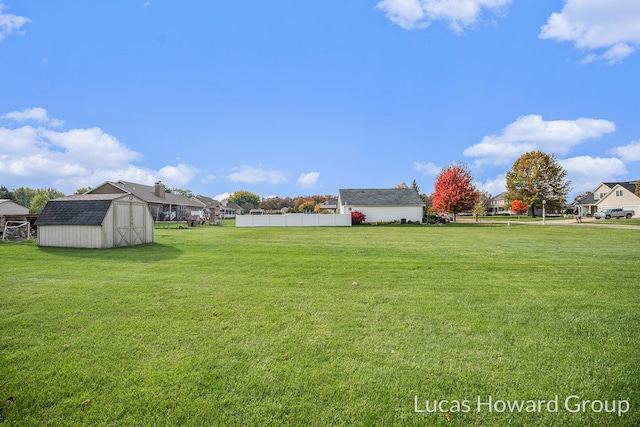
x=95, y=221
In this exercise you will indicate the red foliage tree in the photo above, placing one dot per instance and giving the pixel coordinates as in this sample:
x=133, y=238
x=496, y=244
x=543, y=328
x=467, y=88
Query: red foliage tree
x=357, y=217
x=454, y=191
x=519, y=207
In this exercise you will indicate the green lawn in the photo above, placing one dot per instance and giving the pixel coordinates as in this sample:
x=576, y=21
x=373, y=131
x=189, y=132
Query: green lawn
x=354, y=326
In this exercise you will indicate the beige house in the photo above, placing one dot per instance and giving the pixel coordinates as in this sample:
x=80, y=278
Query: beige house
x=164, y=206
x=609, y=195
x=497, y=205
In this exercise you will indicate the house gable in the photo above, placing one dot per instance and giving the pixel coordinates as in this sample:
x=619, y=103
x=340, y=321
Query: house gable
x=621, y=195
x=602, y=190
x=149, y=193
x=107, y=188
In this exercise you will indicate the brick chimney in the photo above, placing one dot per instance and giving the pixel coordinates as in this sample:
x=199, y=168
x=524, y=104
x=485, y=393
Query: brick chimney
x=159, y=189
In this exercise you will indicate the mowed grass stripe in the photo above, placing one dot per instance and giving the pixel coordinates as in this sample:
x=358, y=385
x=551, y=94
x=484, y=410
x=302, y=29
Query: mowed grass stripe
x=228, y=326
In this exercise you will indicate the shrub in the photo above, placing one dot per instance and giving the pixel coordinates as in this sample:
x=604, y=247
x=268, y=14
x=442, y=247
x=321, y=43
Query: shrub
x=429, y=219
x=357, y=218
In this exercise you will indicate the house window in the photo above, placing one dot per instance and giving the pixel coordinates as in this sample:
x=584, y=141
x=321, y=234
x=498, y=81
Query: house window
x=618, y=193
x=601, y=195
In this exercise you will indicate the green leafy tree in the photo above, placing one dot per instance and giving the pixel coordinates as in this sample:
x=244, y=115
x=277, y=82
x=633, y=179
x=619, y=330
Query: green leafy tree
x=82, y=190
x=51, y=193
x=415, y=186
x=37, y=203
x=23, y=196
x=5, y=193
x=479, y=209
x=245, y=199
x=537, y=176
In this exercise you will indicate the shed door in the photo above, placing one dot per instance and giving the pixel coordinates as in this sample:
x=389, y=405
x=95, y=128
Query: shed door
x=129, y=224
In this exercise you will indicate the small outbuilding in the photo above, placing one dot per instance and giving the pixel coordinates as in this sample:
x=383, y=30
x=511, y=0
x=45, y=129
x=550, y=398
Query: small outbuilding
x=383, y=204
x=14, y=221
x=9, y=207
x=95, y=221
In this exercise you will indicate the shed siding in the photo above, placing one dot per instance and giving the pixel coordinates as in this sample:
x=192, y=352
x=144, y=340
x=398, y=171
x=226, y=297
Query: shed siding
x=76, y=236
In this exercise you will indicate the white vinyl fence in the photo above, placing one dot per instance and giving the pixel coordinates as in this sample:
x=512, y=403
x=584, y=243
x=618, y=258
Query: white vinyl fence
x=294, y=220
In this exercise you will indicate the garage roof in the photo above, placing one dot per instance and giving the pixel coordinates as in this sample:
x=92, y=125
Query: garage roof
x=381, y=197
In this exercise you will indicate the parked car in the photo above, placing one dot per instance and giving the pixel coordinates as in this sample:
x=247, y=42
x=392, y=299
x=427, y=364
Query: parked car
x=444, y=218
x=614, y=213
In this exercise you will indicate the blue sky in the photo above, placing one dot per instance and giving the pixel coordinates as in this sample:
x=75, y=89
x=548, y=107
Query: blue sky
x=293, y=98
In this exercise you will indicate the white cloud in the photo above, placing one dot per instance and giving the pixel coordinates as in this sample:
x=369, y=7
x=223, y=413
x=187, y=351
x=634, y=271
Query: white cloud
x=493, y=186
x=531, y=132
x=147, y=3
x=308, y=180
x=178, y=175
x=251, y=175
x=76, y=158
x=629, y=152
x=460, y=14
x=92, y=147
x=222, y=196
x=427, y=168
x=208, y=178
x=596, y=25
x=10, y=24
x=586, y=172
x=37, y=115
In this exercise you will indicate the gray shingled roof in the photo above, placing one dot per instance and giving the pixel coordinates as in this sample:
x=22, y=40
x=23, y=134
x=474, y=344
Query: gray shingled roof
x=629, y=186
x=74, y=212
x=147, y=193
x=208, y=201
x=381, y=197
x=588, y=199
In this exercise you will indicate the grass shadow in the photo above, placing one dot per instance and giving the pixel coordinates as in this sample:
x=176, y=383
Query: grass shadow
x=141, y=253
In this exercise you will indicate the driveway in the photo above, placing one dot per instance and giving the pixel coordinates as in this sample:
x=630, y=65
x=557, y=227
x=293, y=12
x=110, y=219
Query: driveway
x=569, y=222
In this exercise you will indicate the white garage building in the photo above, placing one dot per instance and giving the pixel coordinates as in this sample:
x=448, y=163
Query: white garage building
x=383, y=204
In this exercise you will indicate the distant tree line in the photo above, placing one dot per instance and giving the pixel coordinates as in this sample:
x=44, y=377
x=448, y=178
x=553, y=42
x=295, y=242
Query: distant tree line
x=32, y=198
